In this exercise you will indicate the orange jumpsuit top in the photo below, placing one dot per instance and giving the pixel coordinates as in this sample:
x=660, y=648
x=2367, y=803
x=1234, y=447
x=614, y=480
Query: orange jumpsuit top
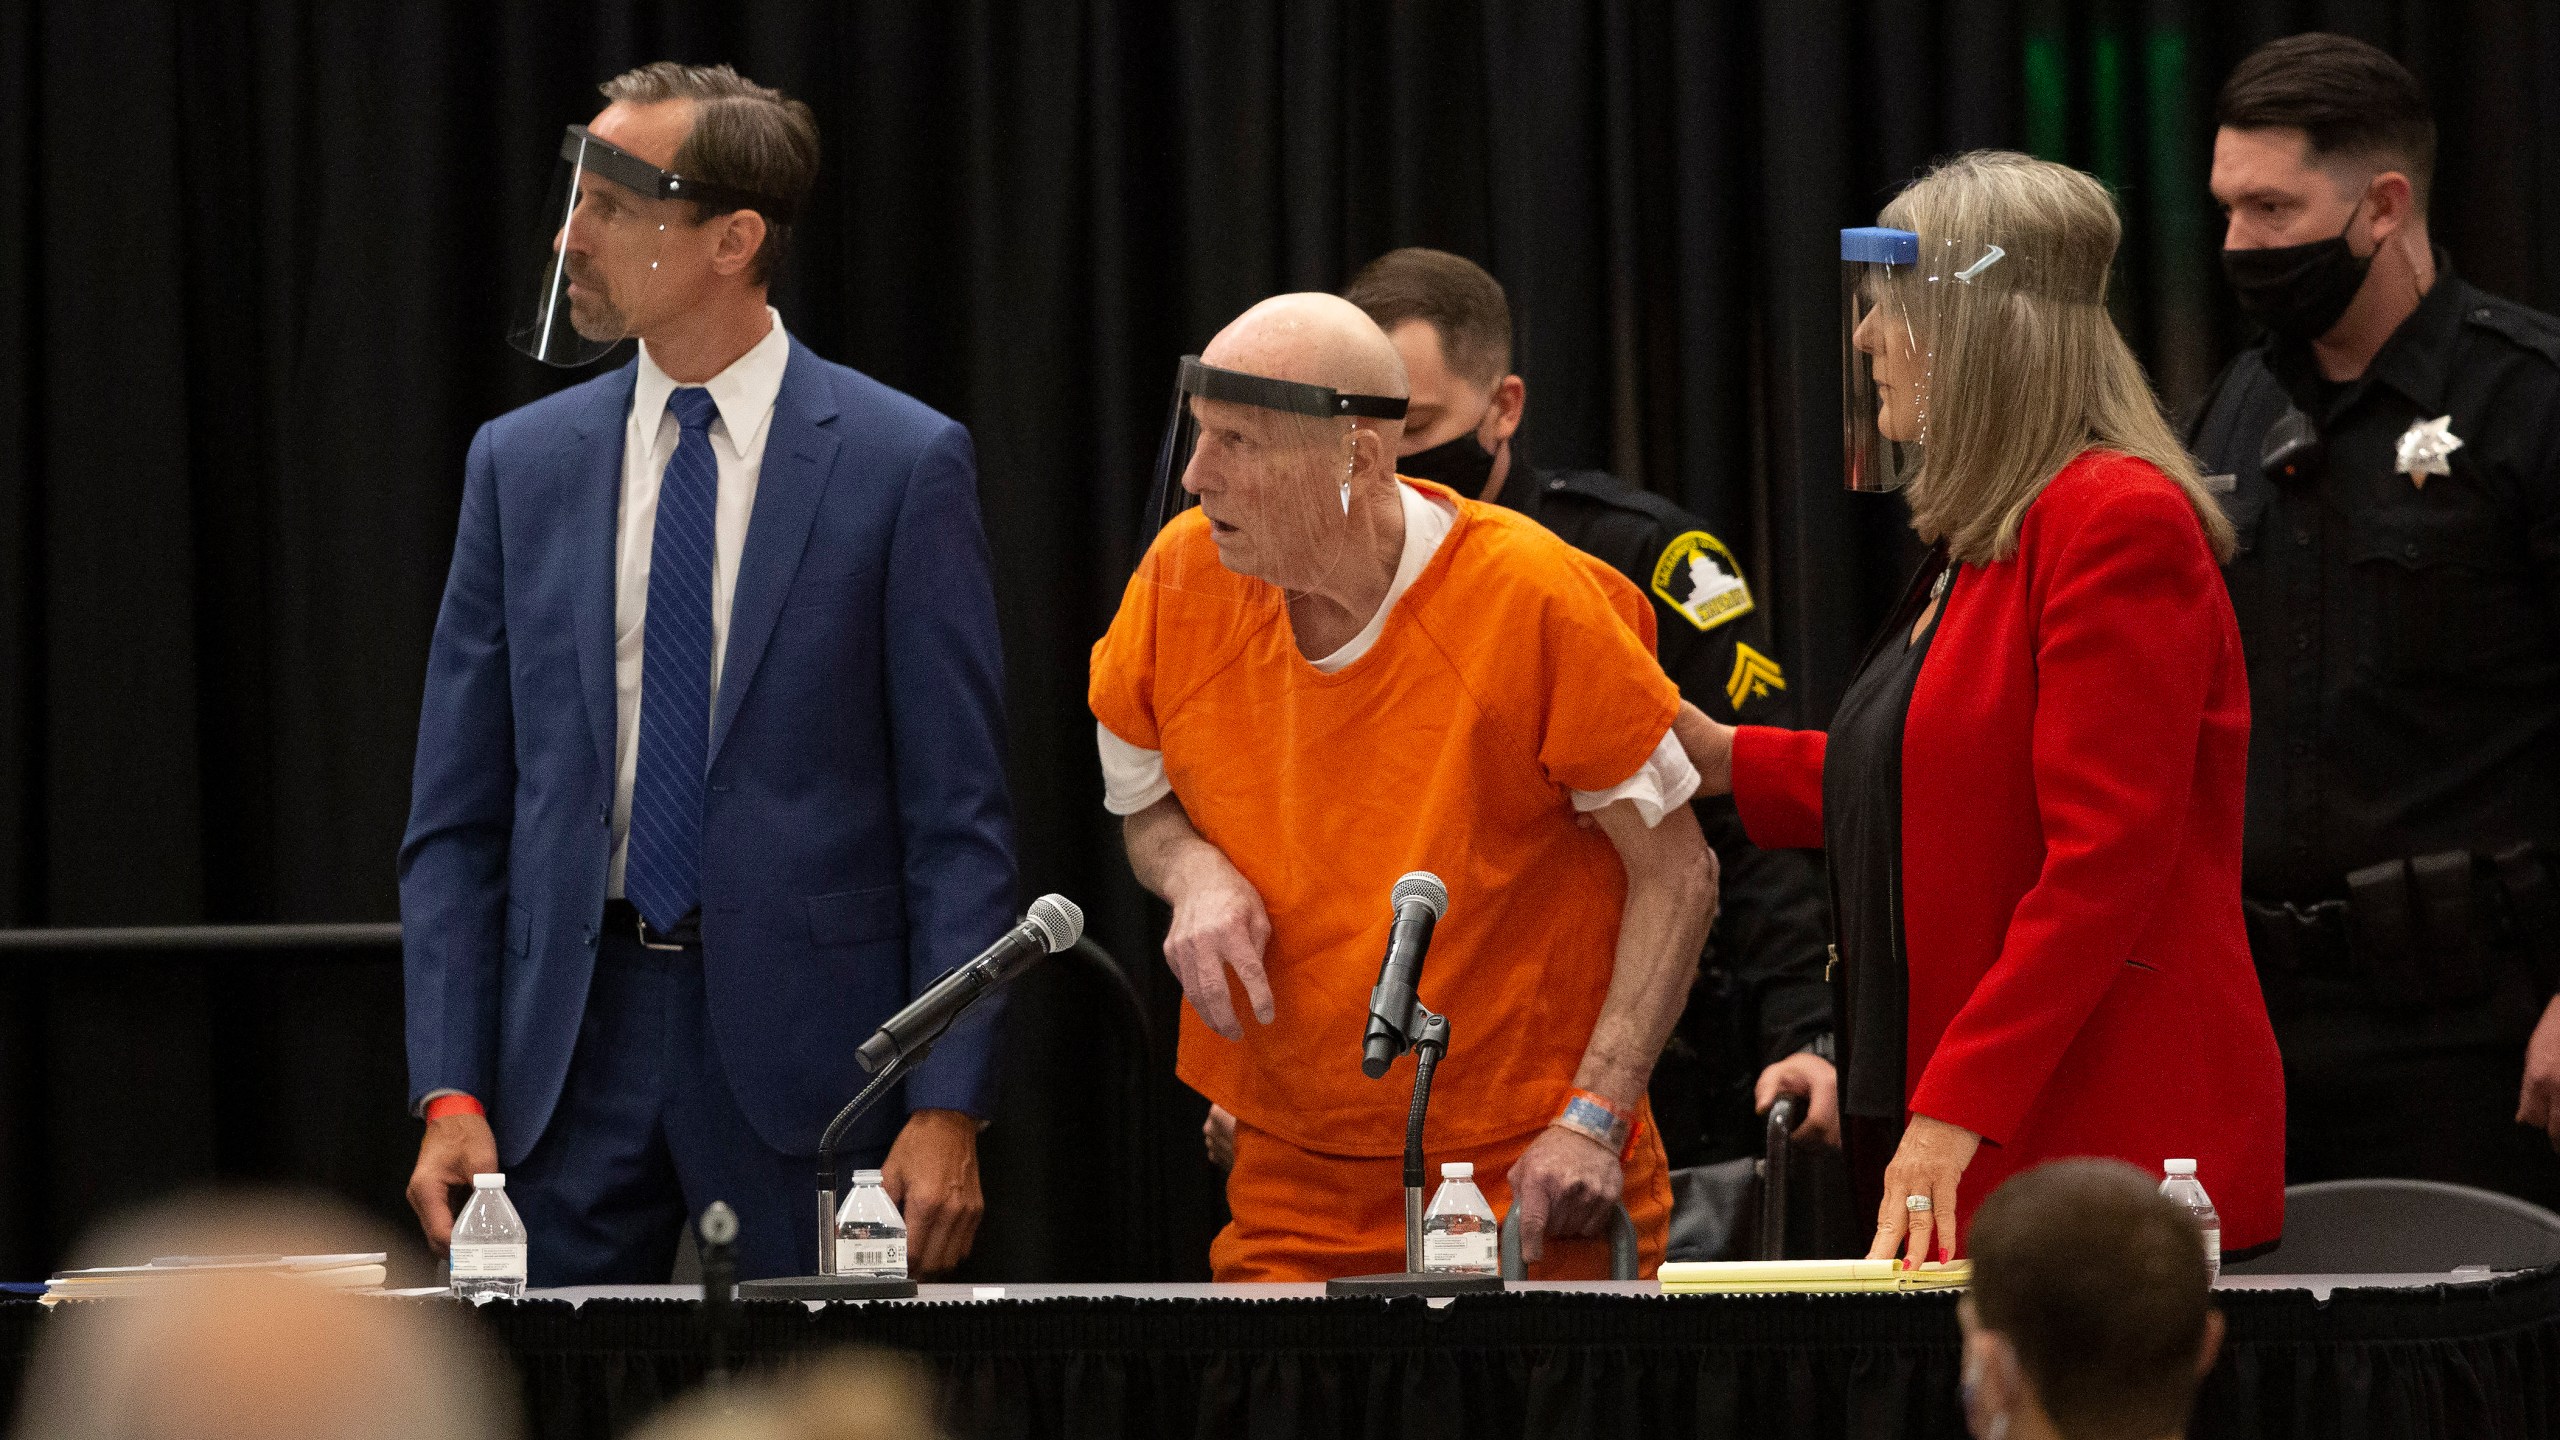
x=1514, y=671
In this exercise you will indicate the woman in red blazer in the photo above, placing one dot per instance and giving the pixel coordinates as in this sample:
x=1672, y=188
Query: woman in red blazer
x=2032, y=793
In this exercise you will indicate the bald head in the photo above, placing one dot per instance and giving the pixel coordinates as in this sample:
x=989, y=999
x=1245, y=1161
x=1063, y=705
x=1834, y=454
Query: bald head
x=246, y=1356
x=261, y=1358
x=1313, y=338
x=852, y=1395
x=1293, y=499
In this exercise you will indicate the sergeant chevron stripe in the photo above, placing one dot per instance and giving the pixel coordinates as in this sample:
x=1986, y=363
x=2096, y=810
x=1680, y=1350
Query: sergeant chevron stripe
x=1754, y=674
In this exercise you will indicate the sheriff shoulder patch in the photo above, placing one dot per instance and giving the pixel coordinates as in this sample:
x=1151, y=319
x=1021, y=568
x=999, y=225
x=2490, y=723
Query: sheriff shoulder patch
x=1754, y=675
x=1697, y=577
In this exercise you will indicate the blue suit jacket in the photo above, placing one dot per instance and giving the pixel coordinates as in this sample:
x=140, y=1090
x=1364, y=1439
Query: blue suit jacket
x=856, y=840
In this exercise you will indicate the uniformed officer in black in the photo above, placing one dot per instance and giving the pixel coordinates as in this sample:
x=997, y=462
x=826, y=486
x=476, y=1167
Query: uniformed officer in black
x=1760, y=1019
x=2392, y=457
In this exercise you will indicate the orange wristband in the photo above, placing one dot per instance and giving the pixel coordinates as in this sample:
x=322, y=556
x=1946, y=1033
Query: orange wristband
x=455, y=1104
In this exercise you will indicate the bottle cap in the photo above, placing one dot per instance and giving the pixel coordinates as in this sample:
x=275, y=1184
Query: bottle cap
x=488, y=1182
x=866, y=1177
x=1458, y=1170
x=2178, y=1167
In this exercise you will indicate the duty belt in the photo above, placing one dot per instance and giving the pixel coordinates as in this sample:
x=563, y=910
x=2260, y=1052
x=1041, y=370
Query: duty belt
x=2425, y=930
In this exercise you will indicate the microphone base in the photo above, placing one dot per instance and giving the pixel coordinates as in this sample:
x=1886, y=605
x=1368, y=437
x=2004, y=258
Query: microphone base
x=1409, y=1283
x=827, y=1287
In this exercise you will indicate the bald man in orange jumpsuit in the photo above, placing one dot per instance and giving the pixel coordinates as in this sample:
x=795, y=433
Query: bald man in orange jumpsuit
x=1291, y=715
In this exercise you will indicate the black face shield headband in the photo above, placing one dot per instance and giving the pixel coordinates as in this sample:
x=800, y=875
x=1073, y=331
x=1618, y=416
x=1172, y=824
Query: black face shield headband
x=603, y=157
x=618, y=204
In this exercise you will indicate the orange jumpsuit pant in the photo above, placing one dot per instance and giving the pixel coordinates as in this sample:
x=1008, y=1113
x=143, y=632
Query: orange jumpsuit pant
x=1304, y=1216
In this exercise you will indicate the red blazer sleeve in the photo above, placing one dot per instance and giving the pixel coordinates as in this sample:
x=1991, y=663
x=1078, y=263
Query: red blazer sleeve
x=2128, y=641
x=1777, y=785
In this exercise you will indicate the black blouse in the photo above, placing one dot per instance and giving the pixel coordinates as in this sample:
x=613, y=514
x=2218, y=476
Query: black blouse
x=1862, y=835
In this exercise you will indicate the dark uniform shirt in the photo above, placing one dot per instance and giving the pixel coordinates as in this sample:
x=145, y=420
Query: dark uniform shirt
x=1762, y=993
x=2403, y=640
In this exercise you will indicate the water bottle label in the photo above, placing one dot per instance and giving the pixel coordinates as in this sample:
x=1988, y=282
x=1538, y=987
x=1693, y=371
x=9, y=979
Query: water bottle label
x=871, y=1256
x=2213, y=1245
x=1449, y=1253
x=488, y=1262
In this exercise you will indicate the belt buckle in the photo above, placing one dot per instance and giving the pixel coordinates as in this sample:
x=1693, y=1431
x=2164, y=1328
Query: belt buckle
x=2321, y=928
x=640, y=927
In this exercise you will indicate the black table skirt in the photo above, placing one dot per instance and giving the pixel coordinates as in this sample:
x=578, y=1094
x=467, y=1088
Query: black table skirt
x=2468, y=1361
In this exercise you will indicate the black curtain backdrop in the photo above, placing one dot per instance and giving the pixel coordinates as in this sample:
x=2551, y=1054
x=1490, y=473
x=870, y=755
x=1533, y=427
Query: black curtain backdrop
x=257, y=260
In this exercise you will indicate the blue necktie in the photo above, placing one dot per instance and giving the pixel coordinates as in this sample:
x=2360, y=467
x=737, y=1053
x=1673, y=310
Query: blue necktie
x=662, y=870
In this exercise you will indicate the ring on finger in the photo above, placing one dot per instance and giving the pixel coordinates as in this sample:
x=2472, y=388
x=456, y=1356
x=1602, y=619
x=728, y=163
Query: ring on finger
x=1917, y=1204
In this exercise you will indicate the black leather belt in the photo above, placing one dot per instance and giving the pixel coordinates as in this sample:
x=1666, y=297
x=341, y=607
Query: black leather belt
x=621, y=917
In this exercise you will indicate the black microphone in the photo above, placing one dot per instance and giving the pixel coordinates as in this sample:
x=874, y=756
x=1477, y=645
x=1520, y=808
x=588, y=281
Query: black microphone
x=1053, y=924
x=1418, y=902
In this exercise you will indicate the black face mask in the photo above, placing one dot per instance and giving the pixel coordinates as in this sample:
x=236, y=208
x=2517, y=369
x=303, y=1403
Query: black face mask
x=2298, y=291
x=1463, y=464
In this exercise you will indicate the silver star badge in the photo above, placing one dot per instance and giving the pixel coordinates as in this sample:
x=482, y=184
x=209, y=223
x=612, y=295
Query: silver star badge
x=2423, y=448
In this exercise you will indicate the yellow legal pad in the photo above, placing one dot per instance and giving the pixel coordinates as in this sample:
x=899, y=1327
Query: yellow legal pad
x=1752, y=1277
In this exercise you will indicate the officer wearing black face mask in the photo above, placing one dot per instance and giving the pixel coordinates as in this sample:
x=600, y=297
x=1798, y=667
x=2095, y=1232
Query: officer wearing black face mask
x=1760, y=1021
x=2391, y=453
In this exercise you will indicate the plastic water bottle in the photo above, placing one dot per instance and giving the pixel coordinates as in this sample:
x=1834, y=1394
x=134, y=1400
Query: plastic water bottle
x=1458, y=1230
x=488, y=1244
x=2183, y=1187
x=871, y=1236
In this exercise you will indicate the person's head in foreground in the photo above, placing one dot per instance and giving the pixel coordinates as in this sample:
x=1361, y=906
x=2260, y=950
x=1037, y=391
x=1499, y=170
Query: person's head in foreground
x=1986, y=356
x=854, y=1395
x=2090, y=1315
x=258, y=1357
x=2323, y=157
x=1292, y=497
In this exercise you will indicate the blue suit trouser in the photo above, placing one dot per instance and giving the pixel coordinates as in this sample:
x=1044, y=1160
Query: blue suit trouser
x=648, y=1133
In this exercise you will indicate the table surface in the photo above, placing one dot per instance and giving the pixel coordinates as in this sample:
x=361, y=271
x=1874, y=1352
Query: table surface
x=2320, y=1286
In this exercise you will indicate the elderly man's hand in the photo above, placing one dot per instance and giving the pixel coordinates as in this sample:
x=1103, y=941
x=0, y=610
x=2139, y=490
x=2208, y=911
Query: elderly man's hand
x=1565, y=1184
x=2540, y=1106
x=1218, y=1135
x=1930, y=1162
x=1812, y=1077
x=1219, y=925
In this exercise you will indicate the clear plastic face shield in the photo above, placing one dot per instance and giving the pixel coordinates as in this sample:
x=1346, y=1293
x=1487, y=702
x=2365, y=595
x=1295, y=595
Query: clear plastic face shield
x=1906, y=304
x=607, y=218
x=1270, y=464
x=1880, y=451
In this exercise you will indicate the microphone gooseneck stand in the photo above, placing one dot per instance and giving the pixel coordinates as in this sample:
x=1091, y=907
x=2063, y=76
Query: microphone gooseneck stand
x=827, y=1284
x=718, y=1233
x=1430, y=1042
x=899, y=1046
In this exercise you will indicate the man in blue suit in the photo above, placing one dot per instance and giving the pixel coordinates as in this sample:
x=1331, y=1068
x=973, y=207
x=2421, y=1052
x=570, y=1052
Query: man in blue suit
x=709, y=776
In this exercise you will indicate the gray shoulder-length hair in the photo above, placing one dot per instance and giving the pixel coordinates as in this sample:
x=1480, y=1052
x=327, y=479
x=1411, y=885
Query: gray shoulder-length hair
x=2031, y=374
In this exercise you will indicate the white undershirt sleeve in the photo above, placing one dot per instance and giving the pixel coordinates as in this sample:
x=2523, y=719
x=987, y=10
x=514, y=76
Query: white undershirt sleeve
x=1667, y=779
x=1133, y=776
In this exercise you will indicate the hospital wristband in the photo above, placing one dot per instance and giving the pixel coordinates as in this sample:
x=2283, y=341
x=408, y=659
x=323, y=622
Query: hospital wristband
x=1596, y=1120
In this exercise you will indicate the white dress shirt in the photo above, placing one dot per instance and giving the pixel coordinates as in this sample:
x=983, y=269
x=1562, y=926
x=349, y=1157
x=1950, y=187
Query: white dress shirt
x=744, y=395
x=1133, y=776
